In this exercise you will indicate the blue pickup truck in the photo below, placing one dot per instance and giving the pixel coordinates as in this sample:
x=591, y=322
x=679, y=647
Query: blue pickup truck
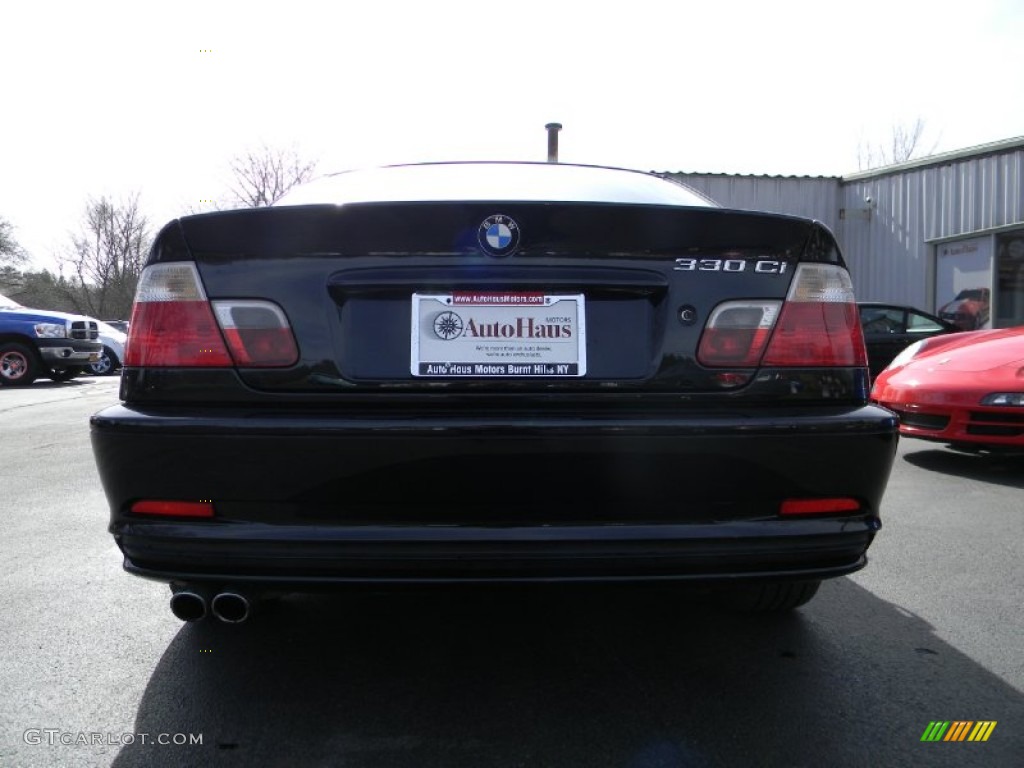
x=40, y=343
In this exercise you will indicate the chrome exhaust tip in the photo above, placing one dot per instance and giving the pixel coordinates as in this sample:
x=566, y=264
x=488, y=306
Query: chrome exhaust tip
x=188, y=606
x=231, y=607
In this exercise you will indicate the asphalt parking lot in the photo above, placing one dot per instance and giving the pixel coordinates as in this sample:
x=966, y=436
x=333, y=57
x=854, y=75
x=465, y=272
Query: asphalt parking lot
x=94, y=669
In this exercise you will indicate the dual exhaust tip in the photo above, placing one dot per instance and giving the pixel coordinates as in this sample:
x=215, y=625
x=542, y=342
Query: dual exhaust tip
x=229, y=607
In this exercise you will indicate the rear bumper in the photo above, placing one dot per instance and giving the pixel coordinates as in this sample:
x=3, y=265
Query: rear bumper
x=328, y=499
x=328, y=555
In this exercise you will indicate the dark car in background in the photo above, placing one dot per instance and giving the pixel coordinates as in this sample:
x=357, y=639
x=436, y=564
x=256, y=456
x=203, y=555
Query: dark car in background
x=457, y=373
x=969, y=311
x=891, y=328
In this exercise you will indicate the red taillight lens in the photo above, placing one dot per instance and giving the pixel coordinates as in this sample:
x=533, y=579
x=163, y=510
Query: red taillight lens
x=174, y=325
x=173, y=508
x=810, y=334
x=818, y=506
x=819, y=324
x=175, y=333
x=257, y=333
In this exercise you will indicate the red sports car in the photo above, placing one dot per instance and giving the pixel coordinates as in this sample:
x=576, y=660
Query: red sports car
x=964, y=389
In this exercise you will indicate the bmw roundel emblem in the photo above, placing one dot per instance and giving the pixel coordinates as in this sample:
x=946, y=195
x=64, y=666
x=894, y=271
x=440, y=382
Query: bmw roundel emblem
x=498, y=235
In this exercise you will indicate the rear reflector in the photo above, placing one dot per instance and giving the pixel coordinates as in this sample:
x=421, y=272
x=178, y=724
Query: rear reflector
x=818, y=506
x=174, y=325
x=173, y=508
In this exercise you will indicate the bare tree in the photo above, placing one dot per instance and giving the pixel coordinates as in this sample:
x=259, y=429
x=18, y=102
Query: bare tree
x=107, y=256
x=905, y=144
x=263, y=176
x=11, y=253
x=43, y=289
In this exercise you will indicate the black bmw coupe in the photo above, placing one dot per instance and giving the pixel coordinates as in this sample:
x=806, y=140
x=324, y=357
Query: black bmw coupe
x=488, y=372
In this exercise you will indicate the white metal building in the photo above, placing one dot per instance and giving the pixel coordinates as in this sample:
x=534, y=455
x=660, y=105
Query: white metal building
x=917, y=233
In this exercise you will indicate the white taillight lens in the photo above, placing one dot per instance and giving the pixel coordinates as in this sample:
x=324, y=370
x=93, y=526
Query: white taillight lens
x=824, y=283
x=174, y=325
x=819, y=324
x=736, y=333
x=170, y=282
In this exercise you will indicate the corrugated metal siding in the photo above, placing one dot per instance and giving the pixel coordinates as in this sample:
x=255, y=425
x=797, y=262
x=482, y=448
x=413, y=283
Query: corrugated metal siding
x=889, y=250
x=882, y=239
x=887, y=243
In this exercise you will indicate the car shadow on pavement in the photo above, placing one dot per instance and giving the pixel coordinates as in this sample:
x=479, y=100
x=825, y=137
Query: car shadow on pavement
x=1003, y=469
x=638, y=678
x=47, y=384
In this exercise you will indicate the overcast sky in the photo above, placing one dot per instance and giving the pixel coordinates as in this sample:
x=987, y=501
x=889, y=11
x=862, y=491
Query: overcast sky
x=116, y=98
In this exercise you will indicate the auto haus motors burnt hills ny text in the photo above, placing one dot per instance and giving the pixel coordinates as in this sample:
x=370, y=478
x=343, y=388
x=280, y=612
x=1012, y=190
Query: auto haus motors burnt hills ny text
x=498, y=334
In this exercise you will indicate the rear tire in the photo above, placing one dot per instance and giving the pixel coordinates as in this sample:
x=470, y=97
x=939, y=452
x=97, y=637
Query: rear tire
x=19, y=365
x=771, y=597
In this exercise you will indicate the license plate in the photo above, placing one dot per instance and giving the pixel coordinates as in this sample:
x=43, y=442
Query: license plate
x=498, y=334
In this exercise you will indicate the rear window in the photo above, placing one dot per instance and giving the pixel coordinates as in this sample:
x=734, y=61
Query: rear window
x=526, y=182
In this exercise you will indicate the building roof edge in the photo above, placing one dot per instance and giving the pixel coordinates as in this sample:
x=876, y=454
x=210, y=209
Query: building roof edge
x=940, y=158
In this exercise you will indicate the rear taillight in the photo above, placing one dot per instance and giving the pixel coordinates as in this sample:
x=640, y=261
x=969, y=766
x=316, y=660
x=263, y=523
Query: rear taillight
x=174, y=325
x=257, y=332
x=737, y=332
x=817, y=326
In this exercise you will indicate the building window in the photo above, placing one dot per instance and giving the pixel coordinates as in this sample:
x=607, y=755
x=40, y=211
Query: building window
x=963, y=282
x=1010, y=278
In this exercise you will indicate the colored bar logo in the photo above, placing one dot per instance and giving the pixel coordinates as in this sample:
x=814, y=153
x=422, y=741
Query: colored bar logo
x=958, y=730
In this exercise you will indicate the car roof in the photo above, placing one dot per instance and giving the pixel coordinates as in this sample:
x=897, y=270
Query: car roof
x=888, y=304
x=894, y=305
x=494, y=180
x=907, y=307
